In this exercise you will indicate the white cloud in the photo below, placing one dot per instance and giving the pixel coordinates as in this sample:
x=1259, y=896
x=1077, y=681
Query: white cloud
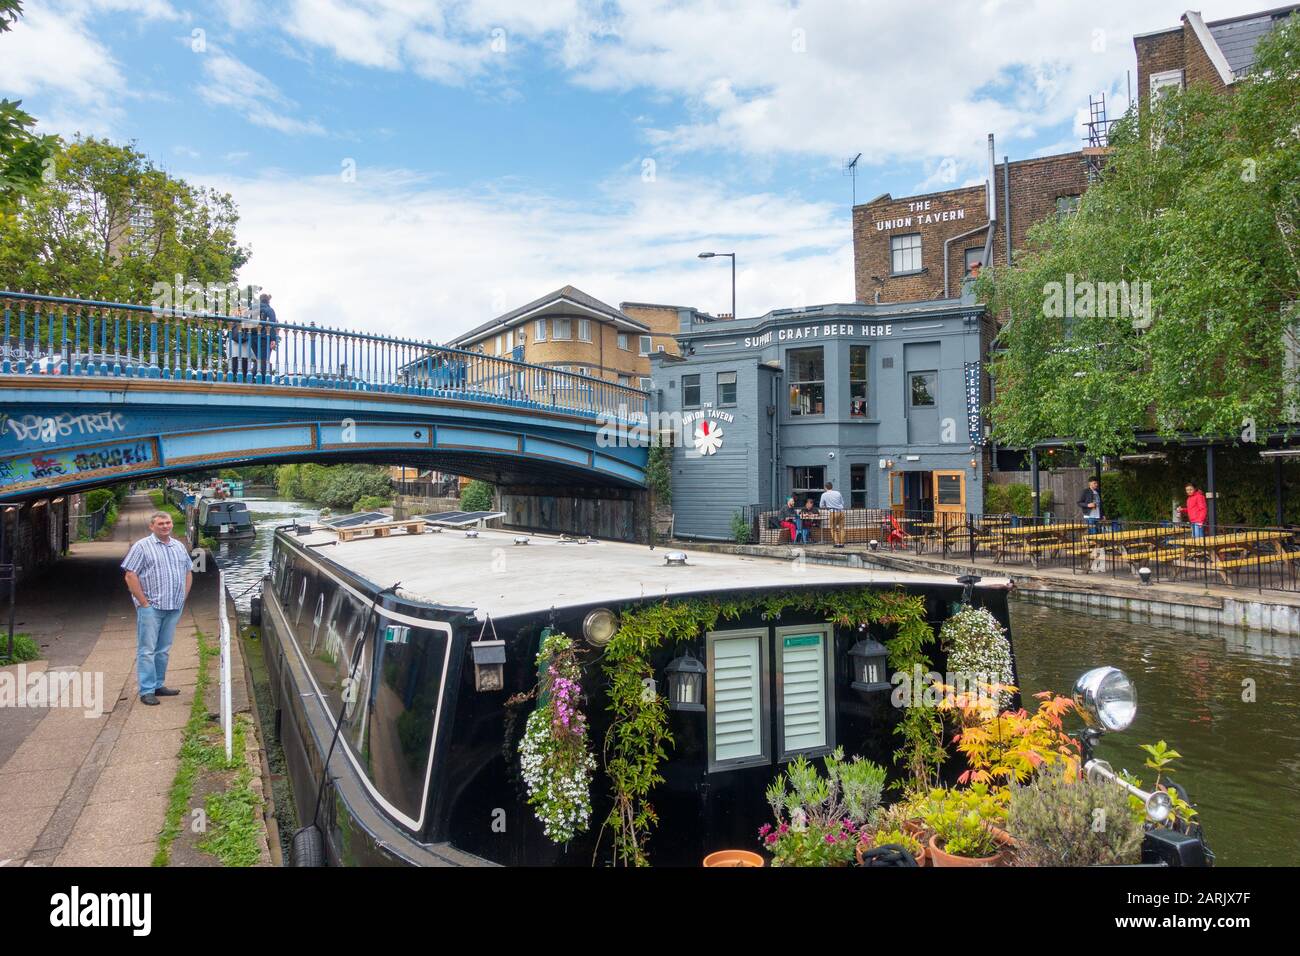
x=232, y=83
x=51, y=53
x=819, y=78
x=391, y=253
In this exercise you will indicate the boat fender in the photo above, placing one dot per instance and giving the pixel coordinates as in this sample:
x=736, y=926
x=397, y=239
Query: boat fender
x=308, y=847
x=255, y=611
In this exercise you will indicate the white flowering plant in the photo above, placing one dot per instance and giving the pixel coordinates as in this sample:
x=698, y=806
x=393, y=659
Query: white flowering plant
x=554, y=756
x=979, y=651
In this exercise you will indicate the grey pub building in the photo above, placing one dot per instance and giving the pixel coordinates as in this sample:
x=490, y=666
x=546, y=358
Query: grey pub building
x=883, y=400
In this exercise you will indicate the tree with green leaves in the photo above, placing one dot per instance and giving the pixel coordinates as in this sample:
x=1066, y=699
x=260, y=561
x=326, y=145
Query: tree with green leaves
x=23, y=153
x=110, y=224
x=1166, y=301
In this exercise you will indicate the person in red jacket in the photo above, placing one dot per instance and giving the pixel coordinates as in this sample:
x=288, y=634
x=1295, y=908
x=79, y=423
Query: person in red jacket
x=1196, y=510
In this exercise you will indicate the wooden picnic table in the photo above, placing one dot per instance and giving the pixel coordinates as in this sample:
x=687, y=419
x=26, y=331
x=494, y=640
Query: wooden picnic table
x=1030, y=529
x=1038, y=541
x=1221, y=553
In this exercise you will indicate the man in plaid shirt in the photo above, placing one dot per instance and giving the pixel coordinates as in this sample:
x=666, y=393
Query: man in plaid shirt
x=158, y=575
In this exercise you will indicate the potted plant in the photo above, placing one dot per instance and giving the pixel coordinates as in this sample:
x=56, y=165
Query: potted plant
x=964, y=824
x=819, y=820
x=1061, y=819
x=978, y=649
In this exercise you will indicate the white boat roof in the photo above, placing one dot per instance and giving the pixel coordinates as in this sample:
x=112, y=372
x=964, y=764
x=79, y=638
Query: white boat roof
x=493, y=575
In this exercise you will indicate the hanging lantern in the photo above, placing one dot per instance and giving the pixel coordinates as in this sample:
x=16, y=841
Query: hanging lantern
x=870, y=662
x=685, y=683
x=489, y=659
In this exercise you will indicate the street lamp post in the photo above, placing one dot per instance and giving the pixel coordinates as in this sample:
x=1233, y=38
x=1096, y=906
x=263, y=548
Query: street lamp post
x=732, y=256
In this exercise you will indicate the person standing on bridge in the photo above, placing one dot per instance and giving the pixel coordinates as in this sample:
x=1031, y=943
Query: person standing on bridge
x=267, y=336
x=159, y=576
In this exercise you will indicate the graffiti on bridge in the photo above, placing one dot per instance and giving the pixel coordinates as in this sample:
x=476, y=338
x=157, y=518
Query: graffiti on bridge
x=50, y=428
x=60, y=466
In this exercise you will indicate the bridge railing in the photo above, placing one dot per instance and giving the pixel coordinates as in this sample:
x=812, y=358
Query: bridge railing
x=54, y=335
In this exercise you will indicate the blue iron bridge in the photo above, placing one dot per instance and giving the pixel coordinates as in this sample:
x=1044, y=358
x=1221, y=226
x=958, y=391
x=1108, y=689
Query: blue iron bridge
x=93, y=393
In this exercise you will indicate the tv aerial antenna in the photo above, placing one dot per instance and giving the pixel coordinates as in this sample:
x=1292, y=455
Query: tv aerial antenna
x=850, y=169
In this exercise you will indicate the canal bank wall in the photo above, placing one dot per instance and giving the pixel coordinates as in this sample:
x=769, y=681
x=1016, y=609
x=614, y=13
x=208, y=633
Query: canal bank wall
x=1172, y=603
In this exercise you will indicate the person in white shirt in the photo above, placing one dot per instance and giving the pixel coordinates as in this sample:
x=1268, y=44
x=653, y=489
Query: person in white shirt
x=833, y=504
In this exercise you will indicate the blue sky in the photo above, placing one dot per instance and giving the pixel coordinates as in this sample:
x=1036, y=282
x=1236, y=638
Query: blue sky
x=416, y=166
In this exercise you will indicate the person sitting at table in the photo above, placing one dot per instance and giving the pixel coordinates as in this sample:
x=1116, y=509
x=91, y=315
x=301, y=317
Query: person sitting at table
x=1196, y=510
x=810, y=517
x=791, y=520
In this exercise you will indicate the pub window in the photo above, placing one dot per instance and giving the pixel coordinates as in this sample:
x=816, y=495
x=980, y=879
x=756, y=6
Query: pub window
x=804, y=675
x=540, y=334
x=562, y=329
x=807, y=481
x=858, y=355
x=975, y=255
x=624, y=380
x=925, y=386
x=1066, y=205
x=807, y=381
x=905, y=253
x=645, y=345
x=644, y=384
x=623, y=342
x=726, y=388
x=1161, y=83
x=858, y=486
x=584, y=330
x=690, y=391
x=738, y=705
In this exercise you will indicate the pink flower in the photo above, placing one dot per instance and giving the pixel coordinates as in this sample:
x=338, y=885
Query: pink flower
x=765, y=829
x=830, y=838
x=771, y=838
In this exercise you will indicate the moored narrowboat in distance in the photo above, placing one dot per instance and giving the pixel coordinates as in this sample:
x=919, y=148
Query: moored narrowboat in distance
x=225, y=519
x=410, y=664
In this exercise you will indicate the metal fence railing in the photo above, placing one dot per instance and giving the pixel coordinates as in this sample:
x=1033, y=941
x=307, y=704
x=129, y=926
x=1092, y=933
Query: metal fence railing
x=1256, y=558
x=89, y=525
x=51, y=335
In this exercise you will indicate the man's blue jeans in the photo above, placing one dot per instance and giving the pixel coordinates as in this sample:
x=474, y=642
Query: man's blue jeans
x=154, y=630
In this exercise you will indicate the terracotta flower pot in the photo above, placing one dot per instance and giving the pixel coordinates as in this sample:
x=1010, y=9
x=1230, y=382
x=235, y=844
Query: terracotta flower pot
x=733, y=858
x=940, y=858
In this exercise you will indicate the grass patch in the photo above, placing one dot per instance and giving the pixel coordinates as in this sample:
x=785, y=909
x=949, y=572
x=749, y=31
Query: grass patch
x=233, y=829
x=232, y=814
x=25, y=649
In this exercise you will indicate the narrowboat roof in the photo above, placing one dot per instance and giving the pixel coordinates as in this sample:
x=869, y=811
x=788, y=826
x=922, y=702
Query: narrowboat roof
x=493, y=575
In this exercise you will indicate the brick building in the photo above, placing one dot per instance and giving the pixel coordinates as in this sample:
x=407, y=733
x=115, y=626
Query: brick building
x=571, y=331
x=1215, y=54
x=919, y=248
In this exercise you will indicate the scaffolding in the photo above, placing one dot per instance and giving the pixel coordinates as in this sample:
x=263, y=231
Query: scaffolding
x=1097, y=145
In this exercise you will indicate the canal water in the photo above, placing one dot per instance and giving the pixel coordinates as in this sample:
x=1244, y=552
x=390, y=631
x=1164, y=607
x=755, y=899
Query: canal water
x=1227, y=700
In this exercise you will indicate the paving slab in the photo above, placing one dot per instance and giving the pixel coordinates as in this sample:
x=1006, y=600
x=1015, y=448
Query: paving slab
x=146, y=746
x=120, y=822
x=34, y=788
x=129, y=781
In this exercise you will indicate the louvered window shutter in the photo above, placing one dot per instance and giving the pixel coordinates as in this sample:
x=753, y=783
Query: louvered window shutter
x=803, y=688
x=737, y=698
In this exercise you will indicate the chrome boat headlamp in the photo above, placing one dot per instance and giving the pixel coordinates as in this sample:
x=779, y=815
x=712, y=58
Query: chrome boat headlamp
x=1106, y=699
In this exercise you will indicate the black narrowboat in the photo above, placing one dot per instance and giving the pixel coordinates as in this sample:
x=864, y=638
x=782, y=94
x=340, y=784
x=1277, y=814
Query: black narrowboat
x=404, y=663
x=225, y=519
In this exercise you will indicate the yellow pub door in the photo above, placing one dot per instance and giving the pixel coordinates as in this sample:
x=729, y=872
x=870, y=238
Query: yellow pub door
x=950, y=497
